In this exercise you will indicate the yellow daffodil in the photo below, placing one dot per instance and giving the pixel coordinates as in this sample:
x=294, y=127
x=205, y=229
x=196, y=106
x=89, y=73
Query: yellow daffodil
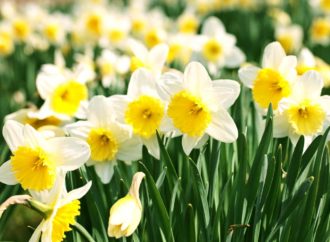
x=36, y=161
x=274, y=80
x=197, y=106
x=109, y=140
x=125, y=214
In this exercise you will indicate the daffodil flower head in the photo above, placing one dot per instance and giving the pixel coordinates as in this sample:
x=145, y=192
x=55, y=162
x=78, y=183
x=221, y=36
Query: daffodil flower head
x=305, y=112
x=142, y=109
x=274, y=80
x=125, y=214
x=108, y=139
x=36, y=161
x=59, y=209
x=197, y=106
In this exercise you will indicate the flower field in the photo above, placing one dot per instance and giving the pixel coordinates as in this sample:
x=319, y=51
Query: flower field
x=165, y=120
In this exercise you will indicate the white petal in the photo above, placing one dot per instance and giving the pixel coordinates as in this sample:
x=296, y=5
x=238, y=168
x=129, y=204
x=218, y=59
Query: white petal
x=222, y=127
x=202, y=141
x=152, y=146
x=82, y=110
x=79, y=129
x=70, y=152
x=32, y=137
x=157, y=57
x=138, y=49
x=235, y=58
x=123, y=213
x=104, y=171
x=224, y=93
x=13, y=134
x=100, y=111
x=312, y=84
x=196, y=78
x=130, y=150
x=48, y=79
x=189, y=143
x=273, y=55
x=76, y=193
x=213, y=26
x=248, y=74
x=6, y=174
x=119, y=104
x=141, y=82
x=288, y=65
x=169, y=84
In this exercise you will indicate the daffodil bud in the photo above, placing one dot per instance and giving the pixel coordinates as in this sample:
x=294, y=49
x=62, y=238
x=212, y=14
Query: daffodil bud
x=125, y=214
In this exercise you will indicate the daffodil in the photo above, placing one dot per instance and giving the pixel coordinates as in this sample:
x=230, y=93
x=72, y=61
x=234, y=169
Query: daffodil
x=305, y=112
x=197, y=106
x=65, y=92
x=125, y=214
x=142, y=109
x=60, y=209
x=36, y=161
x=152, y=60
x=320, y=30
x=217, y=47
x=112, y=67
x=108, y=139
x=274, y=80
x=290, y=37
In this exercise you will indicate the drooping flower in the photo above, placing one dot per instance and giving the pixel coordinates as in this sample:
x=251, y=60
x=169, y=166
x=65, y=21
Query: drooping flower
x=197, y=106
x=305, y=112
x=36, y=161
x=125, y=214
x=274, y=80
x=60, y=210
x=108, y=139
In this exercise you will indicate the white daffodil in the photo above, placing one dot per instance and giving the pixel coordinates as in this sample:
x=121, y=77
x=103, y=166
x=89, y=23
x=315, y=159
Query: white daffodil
x=290, y=37
x=142, y=109
x=320, y=30
x=305, y=112
x=108, y=139
x=112, y=67
x=152, y=60
x=197, y=106
x=65, y=92
x=217, y=47
x=274, y=80
x=60, y=210
x=125, y=214
x=36, y=161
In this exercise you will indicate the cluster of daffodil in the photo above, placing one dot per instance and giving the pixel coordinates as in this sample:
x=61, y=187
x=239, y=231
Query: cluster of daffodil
x=73, y=127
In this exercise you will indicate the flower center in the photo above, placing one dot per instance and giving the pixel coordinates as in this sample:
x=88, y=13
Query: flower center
x=116, y=35
x=320, y=28
x=306, y=118
x=189, y=113
x=51, y=31
x=188, y=24
x=65, y=216
x=38, y=123
x=33, y=168
x=67, y=97
x=94, y=24
x=21, y=29
x=145, y=115
x=106, y=68
x=325, y=5
x=152, y=38
x=270, y=87
x=212, y=50
x=103, y=144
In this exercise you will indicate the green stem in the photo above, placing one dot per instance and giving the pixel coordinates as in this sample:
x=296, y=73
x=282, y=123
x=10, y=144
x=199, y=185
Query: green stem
x=83, y=231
